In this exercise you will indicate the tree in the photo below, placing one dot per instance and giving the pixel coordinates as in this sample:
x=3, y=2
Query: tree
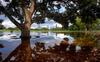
x=13, y=10
x=22, y=10
x=88, y=12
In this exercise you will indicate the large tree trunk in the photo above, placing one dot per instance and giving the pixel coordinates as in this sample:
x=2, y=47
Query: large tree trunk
x=25, y=34
x=23, y=53
x=25, y=39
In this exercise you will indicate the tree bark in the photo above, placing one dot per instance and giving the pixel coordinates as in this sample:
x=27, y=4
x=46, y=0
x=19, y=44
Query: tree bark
x=23, y=53
x=25, y=35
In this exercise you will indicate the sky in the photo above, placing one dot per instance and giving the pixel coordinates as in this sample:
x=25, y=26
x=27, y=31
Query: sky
x=50, y=24
x=3, y=3
x=2, y=17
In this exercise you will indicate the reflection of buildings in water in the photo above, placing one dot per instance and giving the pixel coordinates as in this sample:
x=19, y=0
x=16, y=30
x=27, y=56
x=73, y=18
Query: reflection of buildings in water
x=57, y=36
x=41, y=34
x=51, y=34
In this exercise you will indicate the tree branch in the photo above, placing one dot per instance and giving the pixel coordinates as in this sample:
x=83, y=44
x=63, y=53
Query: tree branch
x=28, y=12
x=32, y=7
x=10, y=17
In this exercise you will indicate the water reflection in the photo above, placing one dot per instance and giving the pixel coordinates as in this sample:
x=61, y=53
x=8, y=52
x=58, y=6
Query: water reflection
x=79, y=42
x=1, y=33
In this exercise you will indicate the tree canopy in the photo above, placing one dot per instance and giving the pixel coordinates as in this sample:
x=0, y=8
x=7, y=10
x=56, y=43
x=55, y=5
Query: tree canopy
x=87, y=10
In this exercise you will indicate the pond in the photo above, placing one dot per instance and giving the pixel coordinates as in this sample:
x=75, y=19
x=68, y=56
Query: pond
x=10, y=40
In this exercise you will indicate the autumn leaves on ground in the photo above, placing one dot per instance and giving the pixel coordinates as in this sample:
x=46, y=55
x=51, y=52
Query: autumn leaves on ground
x=63, y=52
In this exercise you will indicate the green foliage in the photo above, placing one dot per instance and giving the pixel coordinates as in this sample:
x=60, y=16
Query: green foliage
x=85, y=38
x=79, y=23
x=86, y=10
x=96, y=25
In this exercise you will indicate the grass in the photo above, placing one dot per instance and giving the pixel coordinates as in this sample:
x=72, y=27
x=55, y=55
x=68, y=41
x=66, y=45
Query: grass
x=46, y=30
x=9, y=30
